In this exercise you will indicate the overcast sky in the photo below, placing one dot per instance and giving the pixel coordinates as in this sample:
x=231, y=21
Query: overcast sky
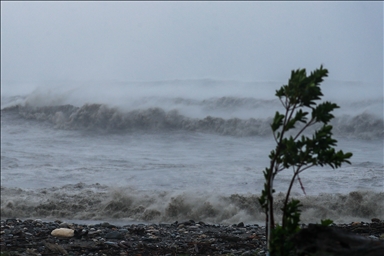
x=146, y=41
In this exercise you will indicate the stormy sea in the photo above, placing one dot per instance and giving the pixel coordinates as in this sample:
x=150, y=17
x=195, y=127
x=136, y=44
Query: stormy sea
x=166, y=151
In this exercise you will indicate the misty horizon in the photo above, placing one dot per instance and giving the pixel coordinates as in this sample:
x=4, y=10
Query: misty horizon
x=165, y=41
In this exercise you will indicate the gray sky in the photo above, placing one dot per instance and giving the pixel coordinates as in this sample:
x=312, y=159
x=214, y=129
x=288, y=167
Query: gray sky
x=145, y=41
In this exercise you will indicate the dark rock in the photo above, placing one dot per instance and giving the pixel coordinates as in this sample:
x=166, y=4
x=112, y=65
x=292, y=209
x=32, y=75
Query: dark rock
x=80, y=233
x=64, y=225
x=114, y=235
x=240, y=225
x=137, y=230
x=189, y=223
x=361, y=230
x=55, y=248
x=105, y=224
x=112, y=244
x=152, y=239
x=320, y=240
x=94, y=233
x=229, y=238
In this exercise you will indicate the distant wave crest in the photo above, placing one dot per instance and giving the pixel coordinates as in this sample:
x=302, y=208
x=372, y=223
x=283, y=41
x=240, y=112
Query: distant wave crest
x=99, y=117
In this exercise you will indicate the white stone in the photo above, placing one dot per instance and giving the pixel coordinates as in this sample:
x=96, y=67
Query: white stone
x=63, y=232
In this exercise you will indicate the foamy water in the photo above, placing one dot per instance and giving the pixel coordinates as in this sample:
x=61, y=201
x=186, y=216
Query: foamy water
x=176, y=150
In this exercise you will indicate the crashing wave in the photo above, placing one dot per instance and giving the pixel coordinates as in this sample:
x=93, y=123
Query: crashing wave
x=97, y=202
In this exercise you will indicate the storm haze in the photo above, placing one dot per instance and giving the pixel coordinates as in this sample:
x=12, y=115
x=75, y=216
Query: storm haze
x=152, y=41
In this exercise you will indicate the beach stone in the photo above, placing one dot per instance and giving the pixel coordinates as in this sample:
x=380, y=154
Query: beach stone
x=55, y=248
x=63, y=232
x=95, y=232
x=193, y=228
x=64, y=225
x=137, y=230
x=105, y=224
x=189, y=223
x=114, y=235
x=114, y=244
x=361, y=230
x=152, y=239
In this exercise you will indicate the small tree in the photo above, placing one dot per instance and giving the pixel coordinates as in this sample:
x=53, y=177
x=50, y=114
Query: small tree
x=297, y=151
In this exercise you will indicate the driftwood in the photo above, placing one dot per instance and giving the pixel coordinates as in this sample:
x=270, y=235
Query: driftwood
x=319, y=240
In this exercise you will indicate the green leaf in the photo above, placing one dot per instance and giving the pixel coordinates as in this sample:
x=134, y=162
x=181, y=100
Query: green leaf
x=322, y=113
x=300, y=116
x=326, y=222
x=277, y=121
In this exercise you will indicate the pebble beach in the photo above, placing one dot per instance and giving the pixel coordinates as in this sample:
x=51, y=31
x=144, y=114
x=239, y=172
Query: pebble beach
x=35, y=237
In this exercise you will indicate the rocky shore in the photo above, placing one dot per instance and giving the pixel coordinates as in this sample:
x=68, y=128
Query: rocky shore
x=35, y=237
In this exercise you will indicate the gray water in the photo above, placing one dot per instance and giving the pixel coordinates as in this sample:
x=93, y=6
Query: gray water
x=174, y=150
